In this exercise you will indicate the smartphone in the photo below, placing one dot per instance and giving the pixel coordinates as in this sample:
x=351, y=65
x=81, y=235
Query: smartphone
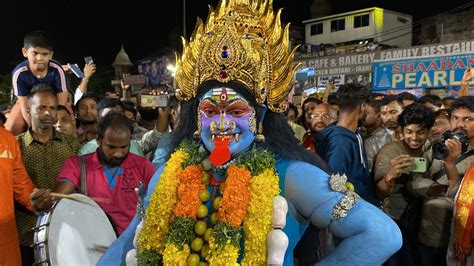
x=419, y=165
x=88, y=60
x=76, y=70
x=162, y=100
x=149, y=101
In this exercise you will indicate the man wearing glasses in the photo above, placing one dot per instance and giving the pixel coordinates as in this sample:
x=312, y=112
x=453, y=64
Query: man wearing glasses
x=321, y=117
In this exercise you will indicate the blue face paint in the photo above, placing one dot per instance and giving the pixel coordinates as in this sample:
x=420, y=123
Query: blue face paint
x=225, y=114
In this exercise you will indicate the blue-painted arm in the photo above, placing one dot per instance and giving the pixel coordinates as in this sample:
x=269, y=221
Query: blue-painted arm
x=369, y=236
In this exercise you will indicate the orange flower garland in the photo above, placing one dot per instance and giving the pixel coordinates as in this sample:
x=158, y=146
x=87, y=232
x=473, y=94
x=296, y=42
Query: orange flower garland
x=188, y=192
x=236, y=196
x=245, y=210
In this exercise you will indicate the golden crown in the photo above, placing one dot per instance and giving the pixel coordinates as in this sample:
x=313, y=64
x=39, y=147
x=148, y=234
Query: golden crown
x=242, y=40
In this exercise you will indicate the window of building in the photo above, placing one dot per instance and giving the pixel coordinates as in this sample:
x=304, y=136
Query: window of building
x=338, y=24
x=361, y=21
x=317, y=29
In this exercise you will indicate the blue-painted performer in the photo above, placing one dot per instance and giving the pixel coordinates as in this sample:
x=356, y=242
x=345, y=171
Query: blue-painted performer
x=238, y=187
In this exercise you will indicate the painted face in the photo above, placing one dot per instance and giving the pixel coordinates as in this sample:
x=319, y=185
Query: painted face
x=225, y=114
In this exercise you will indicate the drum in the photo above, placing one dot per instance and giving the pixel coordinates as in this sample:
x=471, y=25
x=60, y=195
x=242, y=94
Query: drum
x=73, y=232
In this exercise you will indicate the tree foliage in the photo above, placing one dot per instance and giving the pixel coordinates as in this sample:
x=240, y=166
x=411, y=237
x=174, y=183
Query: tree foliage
x=5, y=88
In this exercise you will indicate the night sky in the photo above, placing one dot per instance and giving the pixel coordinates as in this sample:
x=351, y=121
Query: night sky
x=80, y=27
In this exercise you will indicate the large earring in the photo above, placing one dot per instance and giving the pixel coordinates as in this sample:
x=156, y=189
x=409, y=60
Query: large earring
x=252, y=123
x=260, y=137
x=197, y=133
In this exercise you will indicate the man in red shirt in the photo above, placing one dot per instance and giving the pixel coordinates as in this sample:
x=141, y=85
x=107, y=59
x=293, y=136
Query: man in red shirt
x=112, y=172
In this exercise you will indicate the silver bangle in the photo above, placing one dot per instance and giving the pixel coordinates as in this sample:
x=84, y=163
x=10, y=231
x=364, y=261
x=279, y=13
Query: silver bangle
x=337, y=183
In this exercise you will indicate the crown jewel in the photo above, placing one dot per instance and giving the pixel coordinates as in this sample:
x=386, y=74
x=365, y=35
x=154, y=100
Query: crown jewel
x=242, y=40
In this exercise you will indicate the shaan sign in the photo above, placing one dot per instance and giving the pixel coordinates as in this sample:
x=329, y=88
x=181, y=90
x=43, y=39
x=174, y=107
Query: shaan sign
x=423, y=72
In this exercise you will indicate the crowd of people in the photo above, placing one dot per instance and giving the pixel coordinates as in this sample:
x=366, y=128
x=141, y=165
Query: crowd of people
x=376, y=139
x=404, y=164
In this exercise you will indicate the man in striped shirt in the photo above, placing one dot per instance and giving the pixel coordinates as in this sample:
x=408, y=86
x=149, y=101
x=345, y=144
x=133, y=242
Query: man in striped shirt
x=37, y=68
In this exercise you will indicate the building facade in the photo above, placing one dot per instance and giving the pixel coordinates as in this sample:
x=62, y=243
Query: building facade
x=388, y=55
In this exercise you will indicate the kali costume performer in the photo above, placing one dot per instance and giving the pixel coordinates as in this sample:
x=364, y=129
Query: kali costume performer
x=222, y=196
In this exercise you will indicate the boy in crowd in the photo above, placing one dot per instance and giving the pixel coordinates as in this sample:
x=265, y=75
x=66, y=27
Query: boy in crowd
x=39, y=67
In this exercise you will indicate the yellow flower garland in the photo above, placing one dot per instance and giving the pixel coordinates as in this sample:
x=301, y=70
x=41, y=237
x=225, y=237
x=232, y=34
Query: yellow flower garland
x=161, y=206
x=227, y=255
x=263, y=188
x=172, y=255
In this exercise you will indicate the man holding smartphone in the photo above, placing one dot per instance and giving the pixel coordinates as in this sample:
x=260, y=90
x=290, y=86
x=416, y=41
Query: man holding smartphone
x=89, y=70
x=441, y=185
x=392, y=174
x=148, y=102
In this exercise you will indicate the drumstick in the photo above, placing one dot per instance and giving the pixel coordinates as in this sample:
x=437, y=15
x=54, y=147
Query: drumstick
x=78, y=197
x=100, y=248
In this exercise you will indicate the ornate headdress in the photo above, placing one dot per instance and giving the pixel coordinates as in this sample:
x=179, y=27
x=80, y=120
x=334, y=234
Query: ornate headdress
x=242, y=40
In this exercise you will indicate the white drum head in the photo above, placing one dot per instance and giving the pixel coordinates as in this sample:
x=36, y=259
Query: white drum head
x=79, y=232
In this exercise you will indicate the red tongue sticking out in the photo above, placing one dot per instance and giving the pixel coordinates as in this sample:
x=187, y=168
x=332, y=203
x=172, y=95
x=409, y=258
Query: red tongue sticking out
x=221, y=152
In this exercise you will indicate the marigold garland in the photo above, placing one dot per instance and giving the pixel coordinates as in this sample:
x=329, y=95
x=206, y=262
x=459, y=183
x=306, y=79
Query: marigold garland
x=258, y=223
x=188, y=192
x=161, y=205
x=226, y=255
x=247, y=202
x=236, y=196
x=172, y=255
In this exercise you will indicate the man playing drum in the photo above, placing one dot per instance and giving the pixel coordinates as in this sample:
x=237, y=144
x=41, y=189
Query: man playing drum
x=112, y=173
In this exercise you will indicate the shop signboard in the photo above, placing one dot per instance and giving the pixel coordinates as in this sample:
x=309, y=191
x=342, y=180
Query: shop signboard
x=361, y=62
x=420, y=72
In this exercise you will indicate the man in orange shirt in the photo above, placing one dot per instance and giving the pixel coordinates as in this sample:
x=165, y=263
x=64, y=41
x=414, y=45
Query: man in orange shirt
x=14, y=184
